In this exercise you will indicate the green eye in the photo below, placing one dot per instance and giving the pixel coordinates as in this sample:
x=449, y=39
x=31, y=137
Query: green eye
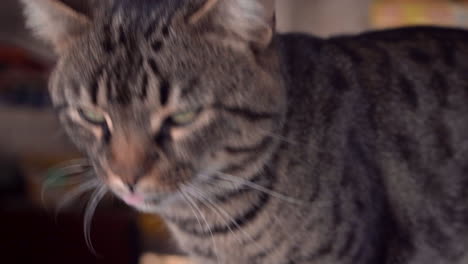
x=184, y=118
x=92, y=116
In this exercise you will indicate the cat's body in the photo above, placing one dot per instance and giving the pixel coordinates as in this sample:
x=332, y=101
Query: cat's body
x=340, y=151
x=378, y=147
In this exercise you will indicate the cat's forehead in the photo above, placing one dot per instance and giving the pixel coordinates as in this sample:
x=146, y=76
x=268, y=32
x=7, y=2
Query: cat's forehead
x=137, y=16
x=131, y=54
x=146, y=30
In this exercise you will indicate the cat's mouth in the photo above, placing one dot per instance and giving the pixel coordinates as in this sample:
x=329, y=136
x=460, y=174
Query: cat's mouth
x=141, y=201
x=134, y=199
x=155, y=189
x=143, y=196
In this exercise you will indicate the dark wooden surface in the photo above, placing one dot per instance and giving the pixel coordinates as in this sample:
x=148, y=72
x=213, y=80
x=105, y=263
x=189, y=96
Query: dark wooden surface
x=33, y=236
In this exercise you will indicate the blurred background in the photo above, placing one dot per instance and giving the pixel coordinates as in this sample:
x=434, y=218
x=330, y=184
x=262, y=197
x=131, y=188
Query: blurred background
x=37, y=222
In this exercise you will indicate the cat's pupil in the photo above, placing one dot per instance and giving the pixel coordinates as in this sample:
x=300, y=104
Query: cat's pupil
x=107, y=135
x=164, y=134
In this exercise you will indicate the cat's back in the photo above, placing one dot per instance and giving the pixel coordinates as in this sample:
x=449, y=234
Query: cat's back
x=410, y=71
x=422, y=46
x=395, y=103
x=419, y=47
x=404, y=90
x=412, y=80
x=401, y=96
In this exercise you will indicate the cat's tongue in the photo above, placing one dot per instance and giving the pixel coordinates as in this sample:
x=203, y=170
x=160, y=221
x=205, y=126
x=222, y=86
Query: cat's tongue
x=134, y=199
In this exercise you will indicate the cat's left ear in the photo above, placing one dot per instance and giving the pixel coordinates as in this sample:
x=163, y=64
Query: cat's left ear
x=55, y=22
x=250, y=20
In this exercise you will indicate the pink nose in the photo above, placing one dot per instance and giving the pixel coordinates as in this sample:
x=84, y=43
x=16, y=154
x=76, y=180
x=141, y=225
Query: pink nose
x=134, y=199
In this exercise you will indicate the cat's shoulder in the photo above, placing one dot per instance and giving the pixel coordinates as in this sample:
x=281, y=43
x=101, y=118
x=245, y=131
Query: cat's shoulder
x=310, y=49
x=408, y=33
x=298, y=40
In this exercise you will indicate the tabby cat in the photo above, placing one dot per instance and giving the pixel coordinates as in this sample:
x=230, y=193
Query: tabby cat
x=263, y=148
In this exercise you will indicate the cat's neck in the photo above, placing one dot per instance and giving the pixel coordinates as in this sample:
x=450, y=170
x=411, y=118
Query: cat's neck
x=209, y=227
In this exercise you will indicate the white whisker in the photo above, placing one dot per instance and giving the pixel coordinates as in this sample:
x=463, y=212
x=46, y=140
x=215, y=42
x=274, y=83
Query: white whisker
x=75, y=193
x=96, y=197
x=70, y=181
x=195, y=213
x=198, y=194
x=76, y=179
x=278, y=136
x=260, y=188
x=219, y=210
x=191, y=201
x=57, y=174
x=71, y=163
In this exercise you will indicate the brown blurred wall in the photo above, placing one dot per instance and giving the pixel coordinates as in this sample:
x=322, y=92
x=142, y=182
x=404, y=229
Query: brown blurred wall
x=323, y=17
x=12, y=29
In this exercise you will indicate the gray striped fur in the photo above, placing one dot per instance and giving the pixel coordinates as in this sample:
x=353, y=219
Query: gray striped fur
x=346, y=150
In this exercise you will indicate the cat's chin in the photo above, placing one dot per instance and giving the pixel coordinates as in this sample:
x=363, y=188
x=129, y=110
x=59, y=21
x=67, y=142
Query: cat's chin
x=147, y=208
x=153, y=205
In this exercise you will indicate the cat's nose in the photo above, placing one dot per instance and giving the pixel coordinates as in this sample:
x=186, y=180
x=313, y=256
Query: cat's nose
x=131, y=187
x=134, y=199
x=125, y=186
x=127, y=158
x=131, y=183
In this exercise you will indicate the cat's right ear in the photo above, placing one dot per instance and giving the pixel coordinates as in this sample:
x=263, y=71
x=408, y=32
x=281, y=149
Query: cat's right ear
x=55, y=22
x=250, y=21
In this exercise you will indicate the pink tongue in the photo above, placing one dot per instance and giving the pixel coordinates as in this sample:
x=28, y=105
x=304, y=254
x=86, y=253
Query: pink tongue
x=134, y=199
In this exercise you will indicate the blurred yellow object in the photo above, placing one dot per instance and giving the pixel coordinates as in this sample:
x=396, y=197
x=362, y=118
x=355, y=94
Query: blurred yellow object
x=397, y=13
x=153, y=226
x=156, y=259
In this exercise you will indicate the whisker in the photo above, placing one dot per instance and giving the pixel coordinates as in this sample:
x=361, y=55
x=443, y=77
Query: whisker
x=89, y=213
x=66, y=171
x=54, y=175
x=190, y=199
x=227, y=217
x=231, y=178
x=275, y=219
x=278, y=136
x=195, y=213
x=75, y=193
x=70, y=181
x=74, y=179
x=71, y=163
x=195, y=192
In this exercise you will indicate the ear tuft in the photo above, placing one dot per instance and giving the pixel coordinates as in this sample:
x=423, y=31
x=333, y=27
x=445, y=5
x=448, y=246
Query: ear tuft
x=248, y=19
x=55, y=22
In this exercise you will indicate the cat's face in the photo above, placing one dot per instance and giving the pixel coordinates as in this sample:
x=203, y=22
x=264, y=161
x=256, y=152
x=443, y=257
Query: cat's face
x=159, y=104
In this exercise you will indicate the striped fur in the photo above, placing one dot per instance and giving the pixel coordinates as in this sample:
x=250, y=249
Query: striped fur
x=304, y=150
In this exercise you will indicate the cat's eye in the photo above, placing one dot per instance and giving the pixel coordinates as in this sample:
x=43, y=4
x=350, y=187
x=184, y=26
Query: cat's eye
x=184, y=118
x=94, y=117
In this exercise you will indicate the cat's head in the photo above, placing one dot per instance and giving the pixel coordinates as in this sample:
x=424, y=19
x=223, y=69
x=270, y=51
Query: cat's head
x=164, y=94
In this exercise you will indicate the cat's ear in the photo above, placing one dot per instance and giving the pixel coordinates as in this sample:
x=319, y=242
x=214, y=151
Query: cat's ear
x=55, y=22
x=251, y=20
